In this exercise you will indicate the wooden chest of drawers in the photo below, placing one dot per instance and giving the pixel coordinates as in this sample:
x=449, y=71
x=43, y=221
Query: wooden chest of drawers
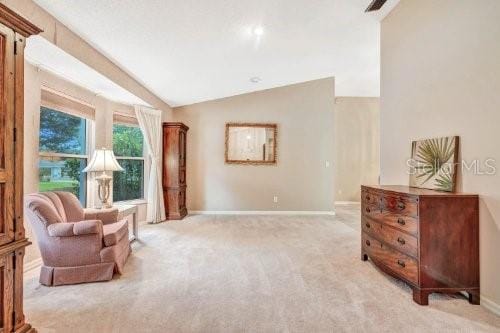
x=426, y=238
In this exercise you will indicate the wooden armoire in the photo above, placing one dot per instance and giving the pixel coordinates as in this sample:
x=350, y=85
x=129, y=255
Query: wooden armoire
x=13, y=33
x=174, y=170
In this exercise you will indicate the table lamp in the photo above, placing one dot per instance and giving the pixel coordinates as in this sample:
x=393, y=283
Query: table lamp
x=103, y=160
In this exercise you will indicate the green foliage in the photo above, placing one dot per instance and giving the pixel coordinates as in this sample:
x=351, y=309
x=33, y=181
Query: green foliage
x=43, y=174
x=61, y=133
x=128, y=184
x=127, y=141
x=72, y=168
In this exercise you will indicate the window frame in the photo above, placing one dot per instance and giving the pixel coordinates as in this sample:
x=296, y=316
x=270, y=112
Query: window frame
x=89, y=125
x=146, y=163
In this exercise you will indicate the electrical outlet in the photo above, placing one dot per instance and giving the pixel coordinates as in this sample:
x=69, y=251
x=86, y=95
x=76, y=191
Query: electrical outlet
x=275, y=199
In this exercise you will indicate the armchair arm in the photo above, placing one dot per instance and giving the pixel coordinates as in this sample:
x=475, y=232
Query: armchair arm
x=75, y=228
x=106, y=215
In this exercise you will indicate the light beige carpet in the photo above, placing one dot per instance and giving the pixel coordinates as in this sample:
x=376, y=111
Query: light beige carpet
x=249, y=274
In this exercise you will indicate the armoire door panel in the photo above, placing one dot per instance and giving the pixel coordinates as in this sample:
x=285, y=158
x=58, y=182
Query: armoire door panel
x=6, y=135
x=20, y=44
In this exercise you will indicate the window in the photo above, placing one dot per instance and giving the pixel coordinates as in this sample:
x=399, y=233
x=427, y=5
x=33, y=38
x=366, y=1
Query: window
x=128, y=146
x=62, y=149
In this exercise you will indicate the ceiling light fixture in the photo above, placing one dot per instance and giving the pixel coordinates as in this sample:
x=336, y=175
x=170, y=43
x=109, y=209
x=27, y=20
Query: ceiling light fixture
x=255, y=79
x=258, y=31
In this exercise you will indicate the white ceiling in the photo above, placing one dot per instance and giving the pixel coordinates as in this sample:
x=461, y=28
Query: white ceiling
x=187, y=51
x=47, y=56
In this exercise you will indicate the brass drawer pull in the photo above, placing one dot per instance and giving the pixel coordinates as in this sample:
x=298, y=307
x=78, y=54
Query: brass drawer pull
x=401, y=263
x=367, y=209
x=367, y=198
x=367, y=242
x=401, y=221
x=401, y=241
x=401, y=205
x=367, y=225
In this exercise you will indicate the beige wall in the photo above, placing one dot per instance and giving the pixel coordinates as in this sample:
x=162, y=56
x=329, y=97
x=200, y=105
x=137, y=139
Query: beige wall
x=357, y=145
x=440, y=76
x=34, y=80
x=302, y=182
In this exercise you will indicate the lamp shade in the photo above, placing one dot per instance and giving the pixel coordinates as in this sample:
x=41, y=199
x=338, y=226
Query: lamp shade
x=103, y=160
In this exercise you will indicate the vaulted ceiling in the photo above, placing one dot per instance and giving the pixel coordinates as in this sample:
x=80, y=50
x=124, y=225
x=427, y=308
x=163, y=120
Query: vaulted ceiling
x=187, y=51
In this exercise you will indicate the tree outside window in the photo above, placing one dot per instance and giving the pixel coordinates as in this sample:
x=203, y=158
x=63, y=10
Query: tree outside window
x=128, y=147
x=62, y=147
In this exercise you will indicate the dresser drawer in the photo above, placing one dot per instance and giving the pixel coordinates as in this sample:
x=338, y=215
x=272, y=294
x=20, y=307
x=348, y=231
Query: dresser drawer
x=399, y=221
x=393, y=237
x=401, y=205
x=372, y=211
x=400, y=264
x=402, y=222
x=370, y=198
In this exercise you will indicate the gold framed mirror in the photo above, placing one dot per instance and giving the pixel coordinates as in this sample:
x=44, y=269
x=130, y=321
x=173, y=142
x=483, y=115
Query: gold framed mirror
x=251, y=143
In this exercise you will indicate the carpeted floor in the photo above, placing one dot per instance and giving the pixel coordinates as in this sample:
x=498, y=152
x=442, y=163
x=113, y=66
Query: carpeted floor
x=249, y=274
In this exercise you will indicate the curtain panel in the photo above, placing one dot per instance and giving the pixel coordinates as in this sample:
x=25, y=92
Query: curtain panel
x=150, y=124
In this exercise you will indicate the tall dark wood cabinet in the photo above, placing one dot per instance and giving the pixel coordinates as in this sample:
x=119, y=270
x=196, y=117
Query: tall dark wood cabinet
x=13, y=33
x=174, y=170
x=427, y=238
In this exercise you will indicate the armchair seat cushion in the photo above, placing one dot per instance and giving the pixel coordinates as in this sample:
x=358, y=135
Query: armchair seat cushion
x=106, y=215
x=114, y=232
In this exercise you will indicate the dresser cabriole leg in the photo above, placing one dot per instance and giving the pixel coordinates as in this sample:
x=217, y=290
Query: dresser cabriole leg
x=421, y=296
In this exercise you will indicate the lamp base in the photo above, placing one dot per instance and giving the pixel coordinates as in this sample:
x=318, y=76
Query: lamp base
x=103, y=190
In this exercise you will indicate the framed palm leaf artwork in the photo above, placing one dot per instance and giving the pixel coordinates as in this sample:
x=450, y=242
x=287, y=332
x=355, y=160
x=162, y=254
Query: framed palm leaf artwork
x=434, y=163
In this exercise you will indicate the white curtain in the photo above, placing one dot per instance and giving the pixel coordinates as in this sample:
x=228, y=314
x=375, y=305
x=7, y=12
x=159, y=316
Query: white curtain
x=150, y=124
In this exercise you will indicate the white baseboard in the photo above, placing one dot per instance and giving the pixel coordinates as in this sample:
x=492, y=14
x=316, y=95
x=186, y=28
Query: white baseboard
x=345, y=203
x=259, y=212
x=34, y=264
x=490, y=305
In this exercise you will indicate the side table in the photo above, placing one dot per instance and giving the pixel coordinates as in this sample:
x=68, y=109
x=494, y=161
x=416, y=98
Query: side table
x=126, y=210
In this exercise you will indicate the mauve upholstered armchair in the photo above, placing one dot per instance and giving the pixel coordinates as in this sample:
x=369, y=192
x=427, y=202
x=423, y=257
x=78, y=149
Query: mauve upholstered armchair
x=77, y=245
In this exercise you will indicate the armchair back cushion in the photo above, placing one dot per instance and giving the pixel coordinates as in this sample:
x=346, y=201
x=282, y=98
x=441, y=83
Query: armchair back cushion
x=54, y=207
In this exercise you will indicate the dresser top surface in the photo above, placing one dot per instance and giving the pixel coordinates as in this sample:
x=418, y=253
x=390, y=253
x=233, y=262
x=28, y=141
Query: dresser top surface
x=416, y=191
